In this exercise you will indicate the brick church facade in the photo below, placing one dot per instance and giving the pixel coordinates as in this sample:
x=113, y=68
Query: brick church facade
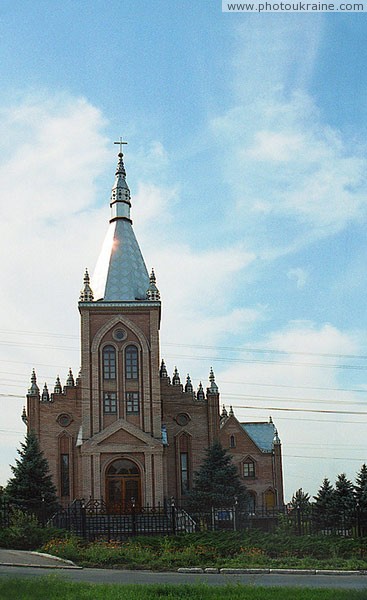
x=124, y=429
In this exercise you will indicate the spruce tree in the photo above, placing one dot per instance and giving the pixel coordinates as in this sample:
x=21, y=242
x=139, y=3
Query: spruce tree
x=344, y=501
x=217, y=483
x=360, y=489
x=31, y=489
x=324, y=506
x=301, y=500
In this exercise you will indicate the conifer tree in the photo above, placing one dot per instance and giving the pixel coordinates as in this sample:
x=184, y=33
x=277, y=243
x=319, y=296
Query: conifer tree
x=360, y=488
x=301, y=500
x=344, y=501
x=217, y=483
x=31, y=488
x=324, y=506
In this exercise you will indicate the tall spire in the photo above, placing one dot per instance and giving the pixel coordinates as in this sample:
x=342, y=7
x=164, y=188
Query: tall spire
x=120, y=273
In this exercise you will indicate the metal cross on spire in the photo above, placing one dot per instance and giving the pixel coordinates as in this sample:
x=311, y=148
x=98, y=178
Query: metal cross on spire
x=120, y=144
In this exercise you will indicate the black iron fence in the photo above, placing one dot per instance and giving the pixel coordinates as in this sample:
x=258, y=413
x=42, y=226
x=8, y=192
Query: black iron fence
x=95, y=520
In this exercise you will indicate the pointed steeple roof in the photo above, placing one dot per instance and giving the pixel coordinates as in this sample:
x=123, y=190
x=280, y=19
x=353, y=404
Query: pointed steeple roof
x=86, y=293
x=120, y=273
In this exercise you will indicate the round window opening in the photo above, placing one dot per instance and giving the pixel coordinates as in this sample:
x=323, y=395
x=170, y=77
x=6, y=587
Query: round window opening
x=119, y=334
x=182, y=419
x=64, y=420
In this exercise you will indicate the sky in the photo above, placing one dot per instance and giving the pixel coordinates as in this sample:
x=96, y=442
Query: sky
x=247, y=163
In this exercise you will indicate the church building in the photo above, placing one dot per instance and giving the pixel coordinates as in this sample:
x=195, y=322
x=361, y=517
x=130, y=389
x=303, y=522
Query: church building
x=123, y=430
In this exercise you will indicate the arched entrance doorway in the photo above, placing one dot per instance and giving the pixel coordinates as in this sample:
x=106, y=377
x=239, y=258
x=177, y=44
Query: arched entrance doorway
x=123, y=485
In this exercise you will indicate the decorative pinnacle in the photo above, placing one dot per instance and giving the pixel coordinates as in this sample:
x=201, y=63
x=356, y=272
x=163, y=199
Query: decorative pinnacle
x=45, y=395
x=213, y=386
x=152, y=291
x=120, y=190
x=224, y=414
x=188, y=385
x=200, y=393
x=276, y=440
x=34, y=389
x=163, y=370
x=176, y=377
x=70, y=379
x=231, y=413
x=58, y=388
x=24, y=416
x=86, y=294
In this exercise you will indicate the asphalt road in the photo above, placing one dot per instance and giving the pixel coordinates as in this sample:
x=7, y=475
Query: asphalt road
x=356, y=582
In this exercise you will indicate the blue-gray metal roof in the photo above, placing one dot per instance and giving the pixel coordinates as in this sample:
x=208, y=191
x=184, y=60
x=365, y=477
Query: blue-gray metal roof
x=120, y=273
x=262, y=434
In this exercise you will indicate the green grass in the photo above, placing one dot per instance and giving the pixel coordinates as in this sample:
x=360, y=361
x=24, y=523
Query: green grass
x=53, y=588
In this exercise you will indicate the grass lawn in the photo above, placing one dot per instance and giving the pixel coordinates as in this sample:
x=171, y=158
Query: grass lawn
x=53, y=587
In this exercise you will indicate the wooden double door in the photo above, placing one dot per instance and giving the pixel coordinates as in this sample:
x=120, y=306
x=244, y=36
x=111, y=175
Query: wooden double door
x=123, y=486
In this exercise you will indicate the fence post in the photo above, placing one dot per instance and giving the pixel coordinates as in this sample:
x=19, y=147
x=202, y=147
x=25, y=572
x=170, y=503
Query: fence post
x=235, y=513
x=133, y=516
x=299, y=523
x=173, y=516
x=83, y=515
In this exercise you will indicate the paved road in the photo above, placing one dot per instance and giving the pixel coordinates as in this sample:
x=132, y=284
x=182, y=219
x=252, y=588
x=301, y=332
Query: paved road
x=32, y=564
x=357, y=582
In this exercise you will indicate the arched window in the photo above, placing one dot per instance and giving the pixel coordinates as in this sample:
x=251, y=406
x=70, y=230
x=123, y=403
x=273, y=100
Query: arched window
x=232, y=441
x=249, y=468
x=109, y=362
x=131, y=362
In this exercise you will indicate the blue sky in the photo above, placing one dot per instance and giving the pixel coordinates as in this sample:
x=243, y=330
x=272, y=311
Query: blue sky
x=247, y=165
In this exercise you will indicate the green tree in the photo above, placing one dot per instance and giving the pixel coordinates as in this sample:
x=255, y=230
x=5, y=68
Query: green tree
x=217, y=483
x=360, y=491
x=324, y=505
x=31, y=489
x=301, y=500
x=344, y=501
x=360, y=488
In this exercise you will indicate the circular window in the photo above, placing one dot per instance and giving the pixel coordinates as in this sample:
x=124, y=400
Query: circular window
x=119, y=334
x=182, y=419
x=64, y=420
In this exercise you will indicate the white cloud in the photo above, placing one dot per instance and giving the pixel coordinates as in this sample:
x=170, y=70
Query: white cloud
x=298, y=275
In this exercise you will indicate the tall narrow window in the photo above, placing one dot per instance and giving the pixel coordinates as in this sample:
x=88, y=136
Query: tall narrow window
x=64, y=475
x=131, y=362
x=184, y=466
x=110, y=403
x=249, y=468
x=109, y=362
x=132, y=403
x=232, y=441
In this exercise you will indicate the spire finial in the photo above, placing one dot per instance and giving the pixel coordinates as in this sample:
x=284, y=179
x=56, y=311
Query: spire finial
x=176, y=377
x=163, y=370
x=120, y=143
x=152, y=291
x=70, y=380
x=86, y=294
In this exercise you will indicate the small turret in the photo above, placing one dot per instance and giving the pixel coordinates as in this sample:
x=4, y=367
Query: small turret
x=163, y=370
x=276, y=440
x=213, y=388
x=57, y=388
x=152, y=291
x=34, y=389
x=231, y=413
x=188, y=386
x=200, y=393
x=45, y=395
x=224, y=413
x=86, y=294
x=24, y=416
x=176, y=377
x=70, y=380
x=79, y=378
